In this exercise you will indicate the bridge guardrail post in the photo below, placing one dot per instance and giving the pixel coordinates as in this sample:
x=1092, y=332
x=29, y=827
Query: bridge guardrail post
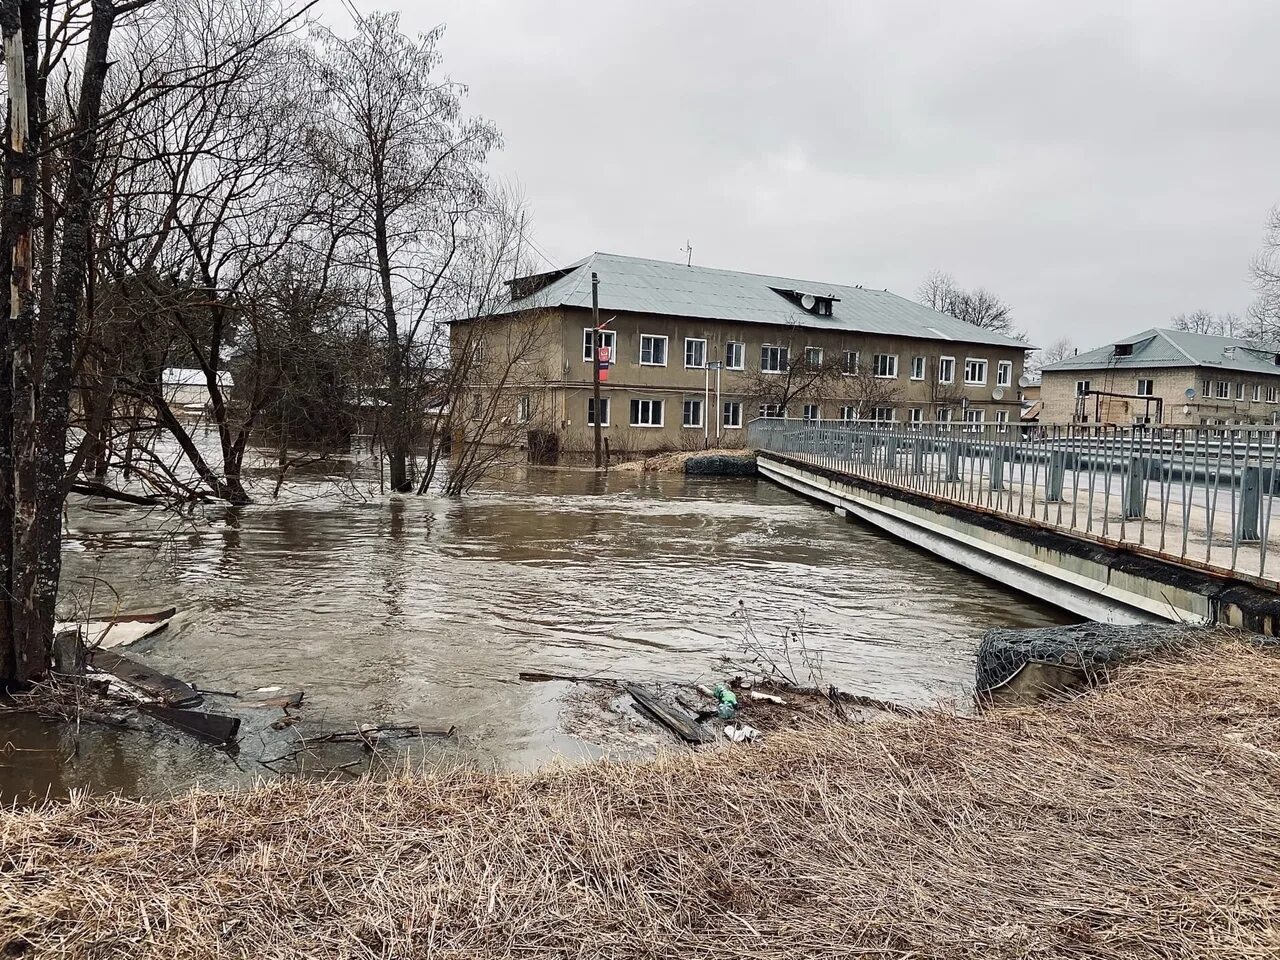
x=1135, y=491
x=999, y=456
x=1250, y=504
x=917, y=455
x=953, y=462
x=1055, y=477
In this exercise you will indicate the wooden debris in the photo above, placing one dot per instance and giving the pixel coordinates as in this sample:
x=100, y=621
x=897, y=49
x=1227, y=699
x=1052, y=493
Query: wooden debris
x=681, y=724
x=370, y=733
x=170, y=691
x=535, y=676
x=209, y=727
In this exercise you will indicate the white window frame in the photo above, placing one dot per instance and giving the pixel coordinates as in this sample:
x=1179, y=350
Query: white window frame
x=917, y=368
x=980, y=364
x=684, y=412
x=817, y=412
x=1257, y=392
x=524, y=408
x=1151, y=387
x=891, y=365
x=779, y=411
x=975, y=419
x=608, y=338
x=1239, y=390
x=915, y=415
x=1271, y=395
x=1002, y=421
x=731, y=422
x=808, y=361
x=1082, y=387
x=653, y=338
x=1222, y=389
x=1004, y=373
x=947, y=364
x=641, y=403
x=891, y=418
x=849, y=363
x=783, y=356
x=606, y=406
x=688, y=343
x=848, y=413
x=738, y=349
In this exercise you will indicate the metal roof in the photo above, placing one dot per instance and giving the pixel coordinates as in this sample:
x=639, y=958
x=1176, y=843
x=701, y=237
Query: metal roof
x=673, y=289
x=1175, y=348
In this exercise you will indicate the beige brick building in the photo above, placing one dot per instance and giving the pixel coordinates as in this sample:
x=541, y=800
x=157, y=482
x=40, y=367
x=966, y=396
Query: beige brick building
x=783, y=347
x=1168, y=377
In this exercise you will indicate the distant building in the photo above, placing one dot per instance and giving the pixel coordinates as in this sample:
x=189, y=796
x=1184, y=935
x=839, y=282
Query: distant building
x=794, y=348
x=1165, y=377
x=187, y=389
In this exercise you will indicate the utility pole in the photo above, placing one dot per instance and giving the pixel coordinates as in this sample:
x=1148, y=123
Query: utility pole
x=595, y=360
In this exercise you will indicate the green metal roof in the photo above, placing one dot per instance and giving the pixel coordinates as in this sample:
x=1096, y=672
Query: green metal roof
x=635, y=285
x=1175, y=348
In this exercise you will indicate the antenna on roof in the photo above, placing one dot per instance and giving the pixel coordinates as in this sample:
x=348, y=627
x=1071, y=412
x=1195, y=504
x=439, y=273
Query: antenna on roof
x=687, y=250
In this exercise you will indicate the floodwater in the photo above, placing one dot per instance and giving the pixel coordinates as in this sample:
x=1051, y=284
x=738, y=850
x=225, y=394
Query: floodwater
x=423, y=610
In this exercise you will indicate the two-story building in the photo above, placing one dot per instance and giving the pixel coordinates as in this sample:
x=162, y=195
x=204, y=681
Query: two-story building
x=694, y=353
x=1170, y=377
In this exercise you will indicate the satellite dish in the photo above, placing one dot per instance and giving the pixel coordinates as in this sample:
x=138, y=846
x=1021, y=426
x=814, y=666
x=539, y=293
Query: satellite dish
x=997, y=393
x=1190, y=393
x=808, y=301
x=1024, y=381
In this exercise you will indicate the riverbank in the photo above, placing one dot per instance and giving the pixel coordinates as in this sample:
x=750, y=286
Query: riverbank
x=1139, y=819
x=719, y=463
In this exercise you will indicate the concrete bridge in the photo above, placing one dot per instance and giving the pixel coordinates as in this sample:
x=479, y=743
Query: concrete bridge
x=1120, y=525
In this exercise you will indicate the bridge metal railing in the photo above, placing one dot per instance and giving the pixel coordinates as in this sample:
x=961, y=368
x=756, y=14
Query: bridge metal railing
x=1201, y=495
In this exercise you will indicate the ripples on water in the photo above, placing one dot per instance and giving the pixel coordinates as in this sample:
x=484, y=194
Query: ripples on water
x=423, y=610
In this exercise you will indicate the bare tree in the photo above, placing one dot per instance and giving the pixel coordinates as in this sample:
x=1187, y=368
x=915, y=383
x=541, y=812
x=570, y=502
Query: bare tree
x=1263, y=322
x=979, y=307
x=794, y=372
x=407, y=167
x=1207, y=322
x=1059, y=349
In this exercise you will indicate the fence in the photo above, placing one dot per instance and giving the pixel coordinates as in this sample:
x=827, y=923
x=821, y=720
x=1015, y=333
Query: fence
x=1197, y=494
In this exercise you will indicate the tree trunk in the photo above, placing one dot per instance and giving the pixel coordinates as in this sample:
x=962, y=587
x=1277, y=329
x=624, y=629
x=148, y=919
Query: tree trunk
x=397, y=425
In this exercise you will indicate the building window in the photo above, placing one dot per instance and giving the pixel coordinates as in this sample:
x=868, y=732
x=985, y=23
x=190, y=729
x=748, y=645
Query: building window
x=692, y=412
x=975, y=372
x=1002, y=421
x=695, y=353
x=773, y=359
x=811, y=412
x=1221, y=390
x=848, y=413
x=1271, y=394
x=974, y=419
x=477, y=402
x=1240, y=390
x=944, y=417
x=734, y=355
x=915, y=415
x=524, y=409
x=946, y=369
x=1146, y=388
x=477, y=350
x=591, y=411
x=1004, y=373
x=813, y=357
x=849, y=363
x=1082, y=387
x=732, y=414
x=885, y=365
x=1257, y=392
x=653, y=350
x=885, y=414
x=772, y=411
x=917, y=368
x=607, y=340
x=646, y=413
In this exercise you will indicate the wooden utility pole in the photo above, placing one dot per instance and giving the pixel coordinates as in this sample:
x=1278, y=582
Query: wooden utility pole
x=595, y=361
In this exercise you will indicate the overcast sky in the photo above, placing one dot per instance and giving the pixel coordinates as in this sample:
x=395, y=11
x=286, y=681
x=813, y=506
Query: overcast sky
x=1101, y=166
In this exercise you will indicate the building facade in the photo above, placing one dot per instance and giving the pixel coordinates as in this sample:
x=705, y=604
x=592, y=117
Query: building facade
x=693, y=354
x=1165, y=377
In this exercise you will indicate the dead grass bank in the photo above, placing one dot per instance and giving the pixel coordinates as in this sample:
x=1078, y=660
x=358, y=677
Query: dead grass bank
x=1143, y=820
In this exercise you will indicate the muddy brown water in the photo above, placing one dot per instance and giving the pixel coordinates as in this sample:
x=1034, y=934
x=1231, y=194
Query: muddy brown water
x=423, y=610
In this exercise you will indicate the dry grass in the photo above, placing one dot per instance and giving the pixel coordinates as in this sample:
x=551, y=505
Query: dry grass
x=674, y=462
x=1143, y=820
